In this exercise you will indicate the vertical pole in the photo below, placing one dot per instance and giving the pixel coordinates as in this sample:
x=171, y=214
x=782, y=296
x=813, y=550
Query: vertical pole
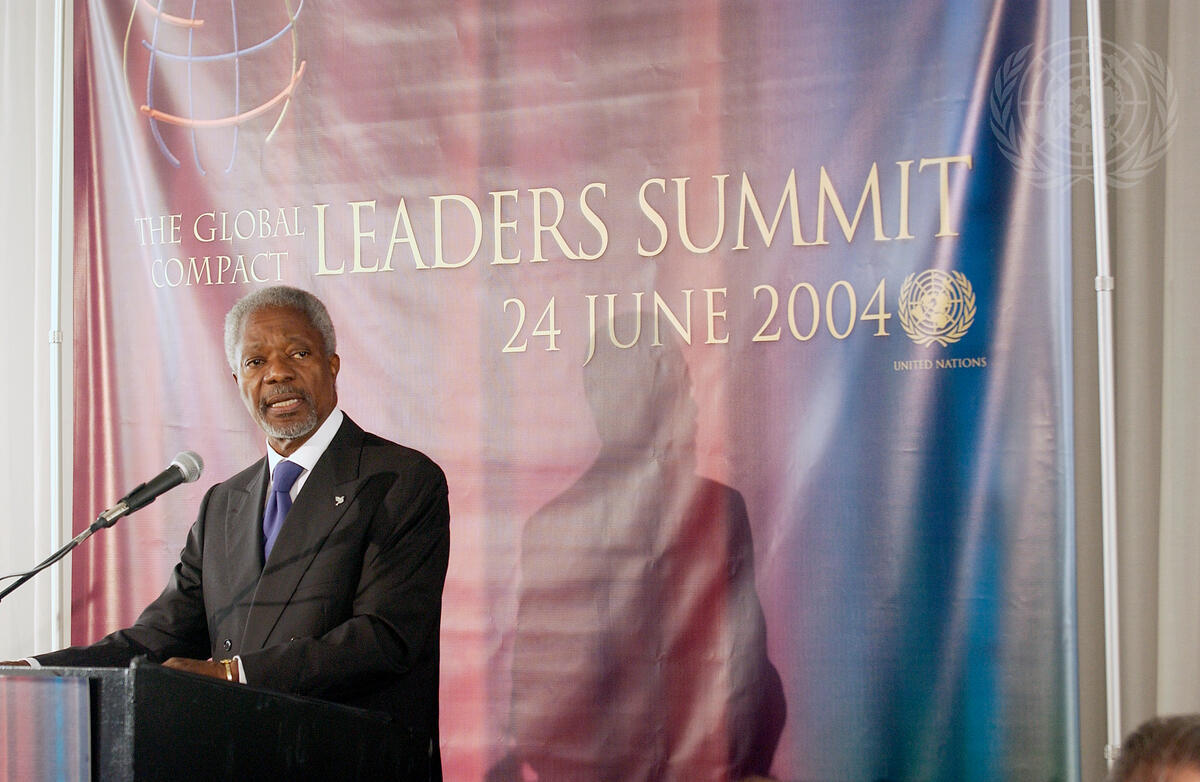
x=1107, y=384
x=61, y=583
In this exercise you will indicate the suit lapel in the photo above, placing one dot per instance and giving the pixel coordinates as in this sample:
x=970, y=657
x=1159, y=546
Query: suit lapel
x=243, y=539
x=313, y=516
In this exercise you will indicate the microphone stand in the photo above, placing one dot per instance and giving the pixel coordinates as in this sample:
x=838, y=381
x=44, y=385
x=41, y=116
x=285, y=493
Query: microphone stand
x=106, y=519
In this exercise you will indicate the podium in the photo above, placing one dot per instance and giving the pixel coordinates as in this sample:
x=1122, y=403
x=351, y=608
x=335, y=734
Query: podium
x=146, y=722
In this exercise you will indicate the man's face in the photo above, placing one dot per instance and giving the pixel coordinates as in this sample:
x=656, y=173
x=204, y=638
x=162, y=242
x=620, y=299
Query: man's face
x=285, y=378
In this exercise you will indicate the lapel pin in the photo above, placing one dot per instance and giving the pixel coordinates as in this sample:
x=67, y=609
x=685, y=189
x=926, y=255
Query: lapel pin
x=338, y=500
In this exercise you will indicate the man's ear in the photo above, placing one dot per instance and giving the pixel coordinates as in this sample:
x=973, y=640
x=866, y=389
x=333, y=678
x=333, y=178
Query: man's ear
x=335, y=364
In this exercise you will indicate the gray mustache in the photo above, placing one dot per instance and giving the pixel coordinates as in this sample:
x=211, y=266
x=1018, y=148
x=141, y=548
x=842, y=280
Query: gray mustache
x=283, y=391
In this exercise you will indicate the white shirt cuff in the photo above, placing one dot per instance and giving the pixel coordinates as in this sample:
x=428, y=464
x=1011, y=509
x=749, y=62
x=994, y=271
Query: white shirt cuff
x=241, y=669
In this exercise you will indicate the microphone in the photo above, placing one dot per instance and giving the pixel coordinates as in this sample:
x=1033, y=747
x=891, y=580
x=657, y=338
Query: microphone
x=185, y=468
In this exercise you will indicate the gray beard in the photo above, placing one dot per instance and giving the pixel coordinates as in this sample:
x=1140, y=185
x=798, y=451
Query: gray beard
x=293, y=430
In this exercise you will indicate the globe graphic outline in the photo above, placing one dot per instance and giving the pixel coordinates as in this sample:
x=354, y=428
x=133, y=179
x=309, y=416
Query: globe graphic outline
x=201, y=72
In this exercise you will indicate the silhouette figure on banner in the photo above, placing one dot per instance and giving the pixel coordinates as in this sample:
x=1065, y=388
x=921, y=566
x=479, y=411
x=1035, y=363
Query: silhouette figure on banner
x=640, y=649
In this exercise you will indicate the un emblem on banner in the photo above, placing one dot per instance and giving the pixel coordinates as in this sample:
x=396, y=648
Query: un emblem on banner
x=936, y=306
x=1041, y=111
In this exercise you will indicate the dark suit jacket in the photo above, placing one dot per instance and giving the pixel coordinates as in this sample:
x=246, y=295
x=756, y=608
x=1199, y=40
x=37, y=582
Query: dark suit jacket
x=347, y=608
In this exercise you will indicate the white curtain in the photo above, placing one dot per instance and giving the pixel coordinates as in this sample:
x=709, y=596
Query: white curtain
x=1154, y=236
x=31, y=618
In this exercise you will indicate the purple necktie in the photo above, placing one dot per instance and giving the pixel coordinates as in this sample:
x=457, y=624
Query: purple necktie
x=279, y=503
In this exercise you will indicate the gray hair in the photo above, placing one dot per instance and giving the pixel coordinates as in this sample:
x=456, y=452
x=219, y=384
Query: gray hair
x=283, y=297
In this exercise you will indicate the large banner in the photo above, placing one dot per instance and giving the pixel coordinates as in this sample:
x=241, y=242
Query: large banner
x=741, y=330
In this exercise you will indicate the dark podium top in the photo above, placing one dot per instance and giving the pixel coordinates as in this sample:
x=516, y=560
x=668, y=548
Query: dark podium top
x=146, y=722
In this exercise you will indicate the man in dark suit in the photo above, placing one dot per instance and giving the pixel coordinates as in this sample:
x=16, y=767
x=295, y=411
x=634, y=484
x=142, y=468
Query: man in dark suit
x=338, y=597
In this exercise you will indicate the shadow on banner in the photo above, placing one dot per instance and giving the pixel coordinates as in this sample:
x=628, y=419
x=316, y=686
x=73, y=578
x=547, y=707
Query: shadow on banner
x=640, y=649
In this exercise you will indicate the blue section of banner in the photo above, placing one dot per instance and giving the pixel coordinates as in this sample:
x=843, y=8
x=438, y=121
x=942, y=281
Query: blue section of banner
x=928, y=530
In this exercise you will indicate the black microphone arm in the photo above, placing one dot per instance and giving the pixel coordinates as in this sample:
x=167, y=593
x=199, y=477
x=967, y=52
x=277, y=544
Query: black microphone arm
x=184, y=468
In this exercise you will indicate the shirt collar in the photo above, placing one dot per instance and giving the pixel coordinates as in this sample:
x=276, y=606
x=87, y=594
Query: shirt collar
x=310, y=451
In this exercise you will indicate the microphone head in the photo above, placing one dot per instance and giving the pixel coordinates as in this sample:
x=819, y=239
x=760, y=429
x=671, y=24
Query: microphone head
x=190, y=465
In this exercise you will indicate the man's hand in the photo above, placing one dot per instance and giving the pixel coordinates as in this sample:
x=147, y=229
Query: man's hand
x=204, y=667
x=14, y=663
